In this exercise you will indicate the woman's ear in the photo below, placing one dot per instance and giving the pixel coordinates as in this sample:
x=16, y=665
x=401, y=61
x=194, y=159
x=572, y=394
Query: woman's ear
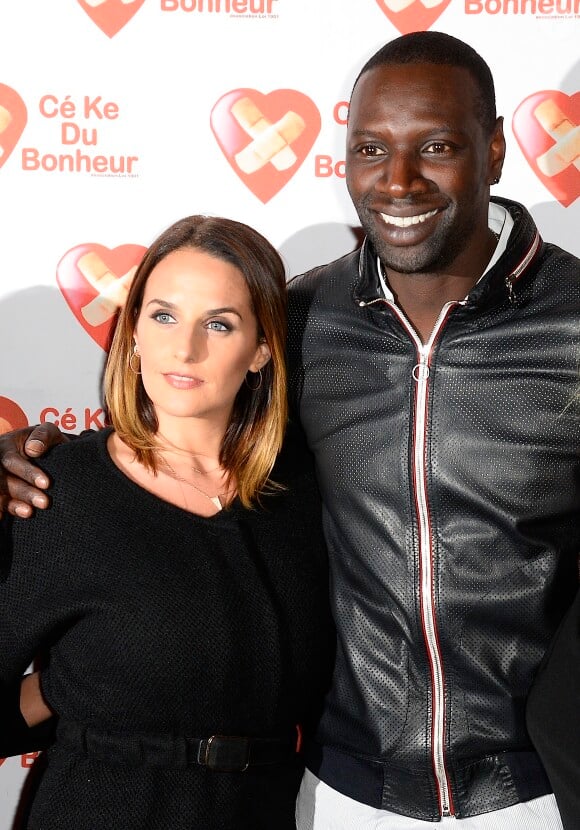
x=262, y=356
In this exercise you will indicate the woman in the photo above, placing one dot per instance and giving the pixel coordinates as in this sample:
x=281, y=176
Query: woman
x=178, y=581
x=553, y=716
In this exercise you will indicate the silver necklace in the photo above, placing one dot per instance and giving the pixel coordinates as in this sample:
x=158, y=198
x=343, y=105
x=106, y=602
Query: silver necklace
x=215, y=500
x=190, y=455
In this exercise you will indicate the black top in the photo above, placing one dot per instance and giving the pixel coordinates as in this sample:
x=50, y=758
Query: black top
x=162, y=623
x=553, y=716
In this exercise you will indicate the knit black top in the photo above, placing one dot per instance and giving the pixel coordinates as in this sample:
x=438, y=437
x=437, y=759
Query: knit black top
x=158, y=624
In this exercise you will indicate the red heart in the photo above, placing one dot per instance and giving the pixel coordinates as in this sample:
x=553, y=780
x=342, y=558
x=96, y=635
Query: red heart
x=11, y=416
x=13, y=117
x=547, y=128
x=94, y=281
x=412, y=15
x=265, y=138
x=110, y=15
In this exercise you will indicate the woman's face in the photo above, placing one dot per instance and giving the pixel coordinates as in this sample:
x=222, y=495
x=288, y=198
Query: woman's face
x=197, y=338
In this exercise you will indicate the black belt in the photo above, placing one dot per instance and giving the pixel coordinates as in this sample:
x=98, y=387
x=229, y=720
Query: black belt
x=222, y=753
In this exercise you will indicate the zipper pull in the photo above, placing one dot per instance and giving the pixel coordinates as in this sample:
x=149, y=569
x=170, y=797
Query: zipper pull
x=421, y=369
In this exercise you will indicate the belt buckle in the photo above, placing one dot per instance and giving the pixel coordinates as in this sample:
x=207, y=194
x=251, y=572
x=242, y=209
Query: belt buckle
x=226, y=753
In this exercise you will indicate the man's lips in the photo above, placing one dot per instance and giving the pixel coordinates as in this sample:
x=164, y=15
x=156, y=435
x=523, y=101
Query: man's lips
x=407, y=221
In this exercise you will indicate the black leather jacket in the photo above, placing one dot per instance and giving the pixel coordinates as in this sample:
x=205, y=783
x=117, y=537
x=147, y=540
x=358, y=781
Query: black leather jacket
x=451, y=482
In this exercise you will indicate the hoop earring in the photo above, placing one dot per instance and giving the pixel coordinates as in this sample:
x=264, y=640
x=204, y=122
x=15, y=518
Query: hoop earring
x=134, y=353
x=254, y=388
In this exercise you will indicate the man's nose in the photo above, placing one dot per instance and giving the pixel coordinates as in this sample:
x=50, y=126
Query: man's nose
x=401, y=174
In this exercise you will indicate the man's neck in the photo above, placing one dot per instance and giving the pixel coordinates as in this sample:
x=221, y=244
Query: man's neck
x=422, y=296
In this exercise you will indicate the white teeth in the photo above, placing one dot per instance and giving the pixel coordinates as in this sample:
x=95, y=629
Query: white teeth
x=405, y=221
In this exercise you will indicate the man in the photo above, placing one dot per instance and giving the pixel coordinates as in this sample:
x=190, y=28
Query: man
x=434, y=372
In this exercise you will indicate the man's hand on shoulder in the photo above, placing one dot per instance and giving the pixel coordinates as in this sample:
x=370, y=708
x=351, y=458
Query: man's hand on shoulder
x=21, y=482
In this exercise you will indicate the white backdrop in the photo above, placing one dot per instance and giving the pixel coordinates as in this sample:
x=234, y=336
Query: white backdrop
x=118, y=117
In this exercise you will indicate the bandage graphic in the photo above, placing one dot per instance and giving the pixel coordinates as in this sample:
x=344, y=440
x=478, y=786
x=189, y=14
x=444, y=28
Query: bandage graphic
x=271, y=144
x=112, y=290
x=5, y=121
x=94, y=3
x=566, y=150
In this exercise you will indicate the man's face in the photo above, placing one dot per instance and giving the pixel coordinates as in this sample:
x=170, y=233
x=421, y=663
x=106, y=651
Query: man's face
x=419, y=166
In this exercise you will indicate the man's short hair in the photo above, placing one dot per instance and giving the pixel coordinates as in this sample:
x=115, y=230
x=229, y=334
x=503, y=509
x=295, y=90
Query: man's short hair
x=440, y=48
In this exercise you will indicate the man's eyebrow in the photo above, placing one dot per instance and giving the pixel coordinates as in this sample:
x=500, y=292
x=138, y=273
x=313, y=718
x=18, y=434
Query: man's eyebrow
x=376, y=131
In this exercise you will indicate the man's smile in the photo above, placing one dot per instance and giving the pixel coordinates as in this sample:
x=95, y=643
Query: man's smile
x=406, y=221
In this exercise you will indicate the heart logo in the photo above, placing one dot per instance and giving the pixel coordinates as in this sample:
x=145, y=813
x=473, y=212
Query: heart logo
x=110, y=15
x=412, y=15
x=547, y=128
x=94, y=281
x=265, y=138
x=13, y=117
x=11, y=416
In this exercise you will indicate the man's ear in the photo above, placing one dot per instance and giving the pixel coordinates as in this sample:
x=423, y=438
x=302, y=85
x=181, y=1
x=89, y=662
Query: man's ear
x=496, y=152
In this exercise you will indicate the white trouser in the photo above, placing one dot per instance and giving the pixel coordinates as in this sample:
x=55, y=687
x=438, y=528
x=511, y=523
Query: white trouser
x=319, y=807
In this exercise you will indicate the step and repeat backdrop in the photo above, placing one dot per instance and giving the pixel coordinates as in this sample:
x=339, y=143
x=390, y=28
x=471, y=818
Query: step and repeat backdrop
x=118, y=117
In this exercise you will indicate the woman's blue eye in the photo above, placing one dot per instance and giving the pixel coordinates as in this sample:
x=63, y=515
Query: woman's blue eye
x=163, y=317
x=217, y=325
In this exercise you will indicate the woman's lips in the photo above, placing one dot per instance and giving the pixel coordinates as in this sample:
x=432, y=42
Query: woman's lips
x=178, y=381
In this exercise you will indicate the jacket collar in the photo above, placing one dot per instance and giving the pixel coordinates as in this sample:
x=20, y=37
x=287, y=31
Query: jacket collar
x=496, y=286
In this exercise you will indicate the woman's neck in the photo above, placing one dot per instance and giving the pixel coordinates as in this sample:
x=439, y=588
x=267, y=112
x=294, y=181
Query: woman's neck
x=192, y=438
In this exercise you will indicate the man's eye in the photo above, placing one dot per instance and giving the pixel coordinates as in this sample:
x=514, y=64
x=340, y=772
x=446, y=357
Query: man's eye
x=371, y=150
x=437, y=147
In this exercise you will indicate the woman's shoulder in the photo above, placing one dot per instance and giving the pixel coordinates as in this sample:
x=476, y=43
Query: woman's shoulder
x=85, y=452
x=75, y=470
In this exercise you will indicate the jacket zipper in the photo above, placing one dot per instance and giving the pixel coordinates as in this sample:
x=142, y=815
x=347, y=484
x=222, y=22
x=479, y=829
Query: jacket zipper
x=427, y=581
x=421, y=372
